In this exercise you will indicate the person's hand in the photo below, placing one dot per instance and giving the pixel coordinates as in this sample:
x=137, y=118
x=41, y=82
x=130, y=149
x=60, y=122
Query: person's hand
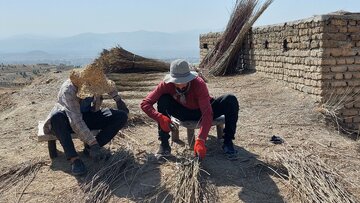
x=164, y=123
x=121, y=106
x=199, y=148
x=98, y=153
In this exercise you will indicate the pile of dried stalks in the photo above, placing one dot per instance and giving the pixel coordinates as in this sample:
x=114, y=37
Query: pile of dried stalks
x=119, y=60
x=107, y=177
x=19, y=176
x=334, y=103
x=311, y=180
x=188, y=184
x=222, y=59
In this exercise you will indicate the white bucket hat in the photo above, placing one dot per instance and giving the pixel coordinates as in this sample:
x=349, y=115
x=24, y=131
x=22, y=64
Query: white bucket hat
x=180, y=72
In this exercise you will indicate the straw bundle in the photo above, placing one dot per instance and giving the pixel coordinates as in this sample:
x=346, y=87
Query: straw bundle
x=188, y=184
x=192, y=187
x=119, y=60
x=311, y=180
x=223, y=58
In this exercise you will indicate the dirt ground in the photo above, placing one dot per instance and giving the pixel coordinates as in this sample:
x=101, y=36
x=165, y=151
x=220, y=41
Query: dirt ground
x=266, y=108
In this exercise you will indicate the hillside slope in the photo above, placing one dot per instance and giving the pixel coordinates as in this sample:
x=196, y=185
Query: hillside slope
x=266, y=109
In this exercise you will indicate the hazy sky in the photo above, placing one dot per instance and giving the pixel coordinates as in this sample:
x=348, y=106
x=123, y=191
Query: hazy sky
x=71, y=17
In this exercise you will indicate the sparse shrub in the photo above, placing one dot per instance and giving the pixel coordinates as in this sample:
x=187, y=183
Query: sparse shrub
x=35, y=72
x=335, y=102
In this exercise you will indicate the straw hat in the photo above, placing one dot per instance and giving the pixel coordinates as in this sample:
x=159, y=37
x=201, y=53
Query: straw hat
x=91, y=81
x=180, y=72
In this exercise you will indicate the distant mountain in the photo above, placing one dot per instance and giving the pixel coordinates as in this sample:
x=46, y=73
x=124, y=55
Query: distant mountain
x=83, y=48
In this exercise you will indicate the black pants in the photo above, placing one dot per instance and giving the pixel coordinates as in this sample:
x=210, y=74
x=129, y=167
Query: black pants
x=225, y=105
x=108, y=121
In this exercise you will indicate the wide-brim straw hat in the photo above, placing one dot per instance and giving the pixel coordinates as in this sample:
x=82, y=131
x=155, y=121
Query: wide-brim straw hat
x=180, y=72
x=91, y=81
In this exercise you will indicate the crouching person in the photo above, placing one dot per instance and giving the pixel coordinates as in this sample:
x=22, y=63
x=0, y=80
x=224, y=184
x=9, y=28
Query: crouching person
x=77, y=110
x=185, y=96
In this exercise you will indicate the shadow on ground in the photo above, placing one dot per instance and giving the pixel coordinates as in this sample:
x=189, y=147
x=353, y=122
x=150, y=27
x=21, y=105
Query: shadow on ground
x=247, y=172
x=137, y=181
x=120, y=177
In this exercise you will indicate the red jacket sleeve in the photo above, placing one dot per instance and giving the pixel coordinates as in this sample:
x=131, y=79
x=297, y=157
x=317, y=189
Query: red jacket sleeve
x=147, y=105
x=205, y=108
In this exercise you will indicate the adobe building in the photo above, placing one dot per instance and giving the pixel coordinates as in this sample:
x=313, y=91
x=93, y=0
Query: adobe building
x=318, y=55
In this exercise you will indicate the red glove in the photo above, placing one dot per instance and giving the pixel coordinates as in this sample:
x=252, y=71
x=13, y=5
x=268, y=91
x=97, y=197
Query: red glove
x=164, y=123
x=199, y=148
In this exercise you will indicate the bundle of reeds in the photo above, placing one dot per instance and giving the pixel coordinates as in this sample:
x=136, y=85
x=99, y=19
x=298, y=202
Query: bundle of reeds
x=188, y=184
x=311, y=180
x=191, y=186
x=222, y=59
x=119, y=60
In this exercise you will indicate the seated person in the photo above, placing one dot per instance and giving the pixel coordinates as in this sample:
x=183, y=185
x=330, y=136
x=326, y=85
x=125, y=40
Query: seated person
x=77, y=109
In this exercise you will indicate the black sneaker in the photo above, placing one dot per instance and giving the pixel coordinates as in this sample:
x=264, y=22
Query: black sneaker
x=229, y=150
x=164, y=150
x=78, y=167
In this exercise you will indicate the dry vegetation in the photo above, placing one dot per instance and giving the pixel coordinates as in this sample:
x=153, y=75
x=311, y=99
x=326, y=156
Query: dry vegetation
x=119, y=60
x=315, y=164
x=309, y=178
x=222, y=59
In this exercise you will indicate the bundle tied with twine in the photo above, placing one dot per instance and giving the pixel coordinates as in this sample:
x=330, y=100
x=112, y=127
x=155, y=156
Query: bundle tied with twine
x=119, y=60
x=310, y=179
x=222, y=59
x=188, y=184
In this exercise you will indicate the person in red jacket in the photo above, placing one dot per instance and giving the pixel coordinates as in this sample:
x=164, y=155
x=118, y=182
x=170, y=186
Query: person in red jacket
x=184, y=95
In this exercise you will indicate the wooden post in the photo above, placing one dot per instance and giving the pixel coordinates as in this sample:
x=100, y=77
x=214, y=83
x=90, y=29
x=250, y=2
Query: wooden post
x=220, y=131
x=191, y=136
x=175, y=134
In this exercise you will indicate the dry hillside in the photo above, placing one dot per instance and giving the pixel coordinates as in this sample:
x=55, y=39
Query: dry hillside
x=266, y=108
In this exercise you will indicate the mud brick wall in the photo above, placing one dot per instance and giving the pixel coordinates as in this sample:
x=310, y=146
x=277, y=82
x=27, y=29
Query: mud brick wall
x=341, y=65
x=207, y=43
x=318, y=55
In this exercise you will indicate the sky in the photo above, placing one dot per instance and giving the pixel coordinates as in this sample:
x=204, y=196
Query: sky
x=62, y=18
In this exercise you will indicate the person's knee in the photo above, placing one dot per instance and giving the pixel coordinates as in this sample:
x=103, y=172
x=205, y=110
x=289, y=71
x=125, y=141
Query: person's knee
x=58, y=118
x=232, y=101
x=60, y=124
x=120, y=117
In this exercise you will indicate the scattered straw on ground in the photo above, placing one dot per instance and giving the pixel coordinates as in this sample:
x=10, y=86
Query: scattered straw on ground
x=310, y=179
x=19, y=177
x=107, y=177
